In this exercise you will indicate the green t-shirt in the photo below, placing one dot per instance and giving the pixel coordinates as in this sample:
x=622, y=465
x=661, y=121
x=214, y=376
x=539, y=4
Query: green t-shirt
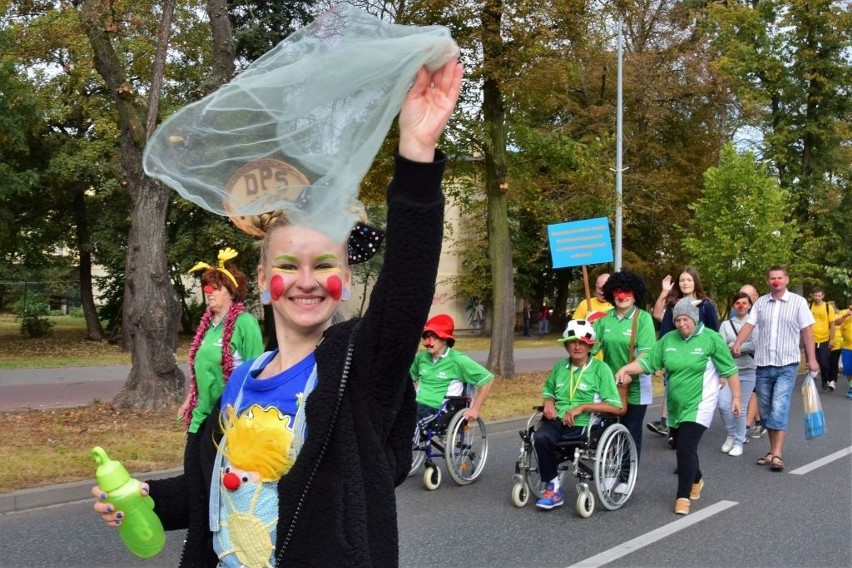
x=571, y=386
x=246, y=344
x=446, y=376
x=694, y=366
x=613, y=335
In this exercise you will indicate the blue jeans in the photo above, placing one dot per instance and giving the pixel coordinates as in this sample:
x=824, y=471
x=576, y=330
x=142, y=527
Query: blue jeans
x=774, y=387
x=736, y=425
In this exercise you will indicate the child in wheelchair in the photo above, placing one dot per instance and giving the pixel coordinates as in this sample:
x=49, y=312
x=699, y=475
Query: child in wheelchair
x=576, y=387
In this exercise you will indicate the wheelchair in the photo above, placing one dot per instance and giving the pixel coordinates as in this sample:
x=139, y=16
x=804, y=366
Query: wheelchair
x=606, y=458
x=462, y=443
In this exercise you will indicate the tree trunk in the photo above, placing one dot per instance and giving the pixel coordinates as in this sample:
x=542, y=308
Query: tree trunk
x=151, y=308
x=151, y=311
x=224, y=48
x=94, y=329
x=501, y=359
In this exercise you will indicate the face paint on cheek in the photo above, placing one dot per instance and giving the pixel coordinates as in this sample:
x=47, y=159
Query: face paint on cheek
x=334, y=285
x=276, y=287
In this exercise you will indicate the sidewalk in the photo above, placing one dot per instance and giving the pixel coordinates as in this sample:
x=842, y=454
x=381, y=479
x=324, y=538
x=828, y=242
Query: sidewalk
x=57, y=387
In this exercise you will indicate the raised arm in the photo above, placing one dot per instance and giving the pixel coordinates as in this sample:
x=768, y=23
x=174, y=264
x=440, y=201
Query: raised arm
x=660, y=304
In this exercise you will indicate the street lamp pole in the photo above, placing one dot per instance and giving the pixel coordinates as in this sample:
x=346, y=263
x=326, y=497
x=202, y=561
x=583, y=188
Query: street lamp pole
x=618, y=168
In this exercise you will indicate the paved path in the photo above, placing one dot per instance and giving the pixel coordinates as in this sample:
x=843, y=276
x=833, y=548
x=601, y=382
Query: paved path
x=56, y=387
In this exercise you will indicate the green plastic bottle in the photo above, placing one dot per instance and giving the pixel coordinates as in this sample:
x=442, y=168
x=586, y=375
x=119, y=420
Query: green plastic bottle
x=140, y=529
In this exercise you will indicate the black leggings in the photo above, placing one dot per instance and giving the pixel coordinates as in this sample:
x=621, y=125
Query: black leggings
x=687, y=435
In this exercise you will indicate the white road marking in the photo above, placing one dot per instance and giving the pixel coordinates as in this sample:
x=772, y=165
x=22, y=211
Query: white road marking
x=649, y=538
x=822, y=461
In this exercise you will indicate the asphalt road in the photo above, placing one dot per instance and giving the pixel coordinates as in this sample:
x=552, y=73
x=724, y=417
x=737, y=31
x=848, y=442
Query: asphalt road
x=747, y=516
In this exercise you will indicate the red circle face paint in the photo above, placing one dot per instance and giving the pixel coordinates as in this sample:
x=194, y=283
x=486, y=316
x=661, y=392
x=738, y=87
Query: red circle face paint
x=334, y=285
x=276, y=287
x=209, y=289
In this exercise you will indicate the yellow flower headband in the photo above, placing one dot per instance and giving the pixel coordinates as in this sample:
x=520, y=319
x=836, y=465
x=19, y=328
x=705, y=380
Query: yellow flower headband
x=224, y=255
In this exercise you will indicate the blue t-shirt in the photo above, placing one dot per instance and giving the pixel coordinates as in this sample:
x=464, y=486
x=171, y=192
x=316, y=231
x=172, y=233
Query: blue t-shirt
x=259, y=418
x=283, y=391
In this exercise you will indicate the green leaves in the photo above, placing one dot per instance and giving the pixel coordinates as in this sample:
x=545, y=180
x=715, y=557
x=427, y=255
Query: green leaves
x=740, y=225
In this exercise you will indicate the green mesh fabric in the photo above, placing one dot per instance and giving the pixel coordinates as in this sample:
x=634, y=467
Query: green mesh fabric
x=300, y=127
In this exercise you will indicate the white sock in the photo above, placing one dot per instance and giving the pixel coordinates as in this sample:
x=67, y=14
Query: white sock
x=555, y=482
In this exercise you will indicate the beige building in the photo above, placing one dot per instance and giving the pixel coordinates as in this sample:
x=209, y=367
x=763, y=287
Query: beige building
x=445, y=300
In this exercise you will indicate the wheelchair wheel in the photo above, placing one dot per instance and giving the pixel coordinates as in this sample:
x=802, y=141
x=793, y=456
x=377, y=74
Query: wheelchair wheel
x=585, y=504
x=432, y=477
x=418, y=450
x=466, y=448
x=520, y=495
x=615, y=467
x=527, y=466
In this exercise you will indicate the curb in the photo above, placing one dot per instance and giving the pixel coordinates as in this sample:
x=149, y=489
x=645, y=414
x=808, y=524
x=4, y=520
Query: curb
x=61, y=493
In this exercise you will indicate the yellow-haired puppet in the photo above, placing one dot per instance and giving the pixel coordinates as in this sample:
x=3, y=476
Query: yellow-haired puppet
x=257, y=453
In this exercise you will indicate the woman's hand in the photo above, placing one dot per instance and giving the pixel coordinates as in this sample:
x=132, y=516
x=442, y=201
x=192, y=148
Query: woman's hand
x=622, y=378
x=735, y=406
x=427, y=109
x=111, y=517
x=668, y=285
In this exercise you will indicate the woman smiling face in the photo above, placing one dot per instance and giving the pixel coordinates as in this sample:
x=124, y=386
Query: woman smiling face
x=686, y=284
x=305, y=273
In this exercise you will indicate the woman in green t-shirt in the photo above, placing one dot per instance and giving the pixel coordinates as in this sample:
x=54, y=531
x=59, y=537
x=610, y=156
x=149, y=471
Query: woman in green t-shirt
x=695, y=358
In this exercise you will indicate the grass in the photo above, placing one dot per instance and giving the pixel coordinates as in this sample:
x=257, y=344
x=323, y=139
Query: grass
x=40, y=447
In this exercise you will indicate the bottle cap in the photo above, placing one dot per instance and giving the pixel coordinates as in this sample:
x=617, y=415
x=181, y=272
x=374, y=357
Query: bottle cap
x=110, y=473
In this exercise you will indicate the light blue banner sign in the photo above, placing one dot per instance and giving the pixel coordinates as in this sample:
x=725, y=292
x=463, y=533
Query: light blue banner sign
x=580, y=242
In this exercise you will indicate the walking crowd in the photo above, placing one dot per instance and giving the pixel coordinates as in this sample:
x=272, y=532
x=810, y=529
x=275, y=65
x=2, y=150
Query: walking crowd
x=744, y=369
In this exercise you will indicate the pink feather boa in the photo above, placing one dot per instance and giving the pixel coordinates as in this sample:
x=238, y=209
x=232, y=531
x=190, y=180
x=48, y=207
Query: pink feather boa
x=227, y=357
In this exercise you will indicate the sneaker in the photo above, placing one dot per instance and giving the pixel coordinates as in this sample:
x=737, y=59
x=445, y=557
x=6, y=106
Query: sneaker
x=621, y=489
x=831, y=386
x=682, y=506
x=757, y=431
x=657, y=427
x=550, y=498
x=608, y=483
x=736, y=451
x=695, y=493
x=672, y=443
x=849, y=393
x=729, y=443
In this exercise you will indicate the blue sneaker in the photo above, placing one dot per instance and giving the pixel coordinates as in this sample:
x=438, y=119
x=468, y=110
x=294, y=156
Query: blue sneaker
x=550, y=498
x=849, y=393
